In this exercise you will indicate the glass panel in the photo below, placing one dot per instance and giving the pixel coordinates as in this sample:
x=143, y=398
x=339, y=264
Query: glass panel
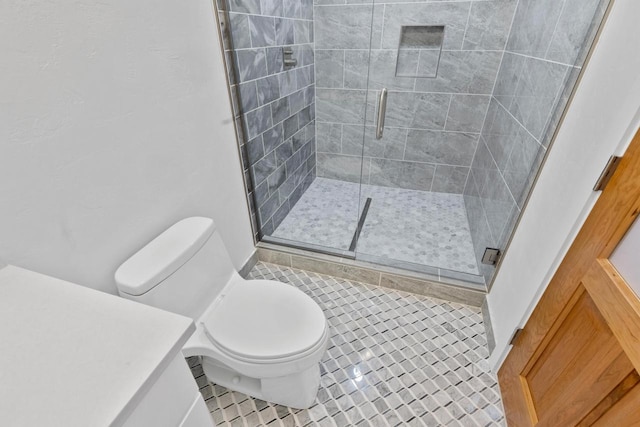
x=461, y=145
x=475, y=93
x=299, y=78
x=419, y=50
x=626, y=257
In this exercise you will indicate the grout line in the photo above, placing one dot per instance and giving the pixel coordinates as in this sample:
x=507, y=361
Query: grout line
x=384, y=15
x=401, y=91
x=415, y=81
x=466, y=27
x=446, y=118
x=389, y=49
x=395, y=160
x=344, y=67
x=406, y=142
x=542, y=59
x=260, y=15
x=404, y=127
x=555, y=28
x=500, y=172
x=394, y=3
x=518, y=121
x=493, y=89
x=278, y=74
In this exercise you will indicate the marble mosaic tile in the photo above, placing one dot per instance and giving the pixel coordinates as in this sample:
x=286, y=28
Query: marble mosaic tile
x=393, y=359
x=325, y=215
x=419, y=227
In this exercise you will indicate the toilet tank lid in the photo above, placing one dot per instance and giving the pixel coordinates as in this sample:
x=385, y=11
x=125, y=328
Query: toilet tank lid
x=163, y=255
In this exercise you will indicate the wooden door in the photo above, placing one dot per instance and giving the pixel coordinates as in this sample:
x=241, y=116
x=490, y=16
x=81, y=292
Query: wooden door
x=577, y=360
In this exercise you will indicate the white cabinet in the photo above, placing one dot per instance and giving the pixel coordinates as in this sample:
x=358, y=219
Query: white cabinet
x=73, y=356
x=174, y=400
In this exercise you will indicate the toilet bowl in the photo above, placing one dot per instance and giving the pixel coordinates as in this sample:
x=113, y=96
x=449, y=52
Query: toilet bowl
x=259, y=337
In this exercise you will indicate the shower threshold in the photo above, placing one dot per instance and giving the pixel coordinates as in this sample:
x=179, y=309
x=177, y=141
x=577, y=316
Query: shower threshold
x=461, y=288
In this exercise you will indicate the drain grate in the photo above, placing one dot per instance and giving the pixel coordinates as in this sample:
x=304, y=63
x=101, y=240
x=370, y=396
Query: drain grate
x=361, y=221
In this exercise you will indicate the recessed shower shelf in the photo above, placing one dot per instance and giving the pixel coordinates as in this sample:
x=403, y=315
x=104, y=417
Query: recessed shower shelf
x=419, y=51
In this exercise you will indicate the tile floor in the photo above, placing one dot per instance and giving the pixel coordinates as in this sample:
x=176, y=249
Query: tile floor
x=394, y=359
x=419, y=227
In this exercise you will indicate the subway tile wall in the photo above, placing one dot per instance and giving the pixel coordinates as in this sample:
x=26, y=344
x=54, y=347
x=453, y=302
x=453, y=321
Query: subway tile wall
x=432, y=124
x=546, y=47
x=274, y=104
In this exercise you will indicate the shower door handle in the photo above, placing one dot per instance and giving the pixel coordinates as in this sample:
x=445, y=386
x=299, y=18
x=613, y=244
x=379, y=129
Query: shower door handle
x=382, y=112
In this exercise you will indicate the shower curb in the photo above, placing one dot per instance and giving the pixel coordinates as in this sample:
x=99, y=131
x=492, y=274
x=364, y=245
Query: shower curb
x=359, y=271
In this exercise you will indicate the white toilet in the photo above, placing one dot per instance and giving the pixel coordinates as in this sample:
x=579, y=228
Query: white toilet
x=259, y=337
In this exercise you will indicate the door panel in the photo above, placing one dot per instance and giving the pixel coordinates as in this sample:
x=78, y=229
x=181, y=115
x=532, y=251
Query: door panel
x=619, y=304
x=626, y=412
x=578, y=368
x=578, y=357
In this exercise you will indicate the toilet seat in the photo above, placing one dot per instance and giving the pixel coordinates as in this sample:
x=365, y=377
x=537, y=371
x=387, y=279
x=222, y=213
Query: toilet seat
x=262, y=321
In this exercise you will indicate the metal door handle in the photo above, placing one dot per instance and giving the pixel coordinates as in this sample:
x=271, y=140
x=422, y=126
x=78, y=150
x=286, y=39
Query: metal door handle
x=382, y=112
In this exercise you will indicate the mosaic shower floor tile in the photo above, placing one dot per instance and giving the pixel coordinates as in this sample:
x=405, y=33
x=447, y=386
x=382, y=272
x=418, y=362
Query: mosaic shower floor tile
x=418, y=227
x=394, y=359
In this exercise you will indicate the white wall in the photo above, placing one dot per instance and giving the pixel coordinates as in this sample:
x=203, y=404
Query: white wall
x=601, y=121
x=114, y=123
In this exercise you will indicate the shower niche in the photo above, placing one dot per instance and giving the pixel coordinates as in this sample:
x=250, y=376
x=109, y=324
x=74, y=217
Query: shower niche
x=475, y=91
x=419, y=51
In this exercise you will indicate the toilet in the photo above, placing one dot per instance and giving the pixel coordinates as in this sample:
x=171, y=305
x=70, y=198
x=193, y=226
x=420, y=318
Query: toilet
x=259, y=337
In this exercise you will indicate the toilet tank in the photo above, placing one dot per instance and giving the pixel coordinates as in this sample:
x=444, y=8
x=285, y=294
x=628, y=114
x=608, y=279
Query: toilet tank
x=182, y=270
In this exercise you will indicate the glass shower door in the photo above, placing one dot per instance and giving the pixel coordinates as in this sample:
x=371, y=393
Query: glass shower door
x=416, y=165
x=474, y=95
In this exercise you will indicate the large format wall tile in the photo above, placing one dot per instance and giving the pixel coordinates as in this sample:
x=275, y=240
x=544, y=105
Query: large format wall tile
x=450, y=148
x=449, y=108
x=356, y=69
x=340, y=106
x=538, y=91
x=276, y=104
x=401, y=174
x=449, y=179
x=489, y=24
x=511, y=70
x=555, y=30
x=533, y=26
x=578, y=21
x=464, y=72
x=453, y=15
x=343, y=27
x=382, y=72
x=329, y=68
x=417, y=110
x=519, y=169
x=341, y=167
x=531, y=90
x=466, y=113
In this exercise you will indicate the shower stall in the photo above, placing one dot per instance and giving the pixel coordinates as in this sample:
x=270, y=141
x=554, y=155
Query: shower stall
x=405, y=134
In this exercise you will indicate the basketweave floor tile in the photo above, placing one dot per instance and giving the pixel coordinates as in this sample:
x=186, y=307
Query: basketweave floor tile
x=423, y=364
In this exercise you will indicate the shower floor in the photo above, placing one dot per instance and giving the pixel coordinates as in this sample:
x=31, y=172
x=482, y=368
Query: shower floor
x=417, y=227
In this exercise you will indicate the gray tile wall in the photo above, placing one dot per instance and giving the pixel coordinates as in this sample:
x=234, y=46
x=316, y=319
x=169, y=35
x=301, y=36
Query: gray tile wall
x=432, y=124
x=545, y=50
x=274, y=105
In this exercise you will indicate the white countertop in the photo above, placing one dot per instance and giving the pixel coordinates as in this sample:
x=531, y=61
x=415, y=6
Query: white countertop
x=74, y=356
